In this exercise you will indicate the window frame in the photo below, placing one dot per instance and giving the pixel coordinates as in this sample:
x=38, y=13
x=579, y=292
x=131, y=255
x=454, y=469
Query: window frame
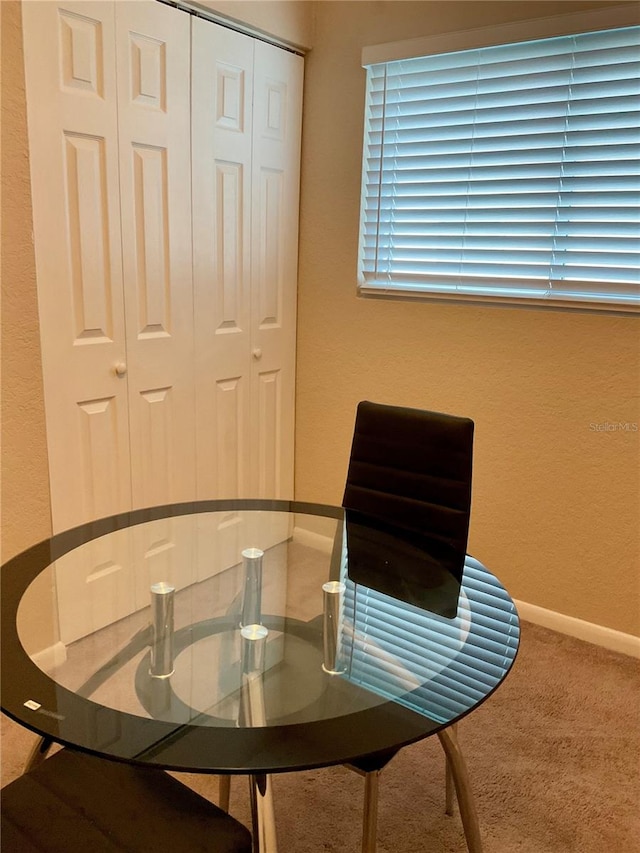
x=522, y=31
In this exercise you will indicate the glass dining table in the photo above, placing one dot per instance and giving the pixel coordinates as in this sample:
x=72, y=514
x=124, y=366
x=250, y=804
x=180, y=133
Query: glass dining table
x=228, y=637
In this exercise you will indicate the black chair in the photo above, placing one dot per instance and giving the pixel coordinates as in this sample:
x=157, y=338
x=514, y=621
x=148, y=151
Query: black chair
x=407, y=503
x=77, y=803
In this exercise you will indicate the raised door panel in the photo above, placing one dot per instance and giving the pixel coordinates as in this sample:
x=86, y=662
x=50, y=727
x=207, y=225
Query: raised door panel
x=162, y=551
x=95, y=586
x=275, y=196
x=222, y=82
x=72, y=118
x=155, y=171
x=222, y=87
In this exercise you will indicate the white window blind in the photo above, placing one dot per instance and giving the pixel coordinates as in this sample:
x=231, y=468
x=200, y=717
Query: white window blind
x=506, y=173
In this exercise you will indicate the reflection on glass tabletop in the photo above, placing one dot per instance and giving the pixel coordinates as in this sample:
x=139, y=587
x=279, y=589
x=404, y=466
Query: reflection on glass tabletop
x=228, y=636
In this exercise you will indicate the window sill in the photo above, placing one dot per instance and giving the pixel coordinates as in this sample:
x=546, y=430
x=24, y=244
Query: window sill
x=401, y=293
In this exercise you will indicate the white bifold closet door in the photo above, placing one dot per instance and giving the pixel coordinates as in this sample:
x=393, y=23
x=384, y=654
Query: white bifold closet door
x=71, y=84
x=108, y=94
x=166, y=258
x=246, y=126
x=246, y=119
x=108, y=99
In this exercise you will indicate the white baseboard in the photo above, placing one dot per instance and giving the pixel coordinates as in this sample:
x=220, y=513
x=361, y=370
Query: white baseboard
x=313, y=540
x=616, y=641
x=50, y=657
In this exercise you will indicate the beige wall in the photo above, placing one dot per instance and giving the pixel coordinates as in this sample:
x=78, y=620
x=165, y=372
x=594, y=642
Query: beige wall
x=556, y=505
x=289, y=20
x=25, y=510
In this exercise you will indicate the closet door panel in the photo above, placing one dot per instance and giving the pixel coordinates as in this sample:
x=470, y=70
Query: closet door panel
x=275, y=198
x=153, y=61
x=72, y=120
x=222, y=82
x=73, y=148
x=153, y=50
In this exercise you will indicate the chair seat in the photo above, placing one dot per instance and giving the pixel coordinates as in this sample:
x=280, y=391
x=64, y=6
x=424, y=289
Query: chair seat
x=74, y=802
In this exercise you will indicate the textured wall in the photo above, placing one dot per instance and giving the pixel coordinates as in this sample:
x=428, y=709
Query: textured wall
x=25, y=480
x=556, y=503
x=289, y=20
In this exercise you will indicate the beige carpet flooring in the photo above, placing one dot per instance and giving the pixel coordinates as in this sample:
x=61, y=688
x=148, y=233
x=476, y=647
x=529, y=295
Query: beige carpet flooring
x=554, y=758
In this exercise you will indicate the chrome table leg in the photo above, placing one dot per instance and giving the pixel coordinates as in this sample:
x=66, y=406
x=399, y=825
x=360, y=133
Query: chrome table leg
x=253, y=713
x=262, y=814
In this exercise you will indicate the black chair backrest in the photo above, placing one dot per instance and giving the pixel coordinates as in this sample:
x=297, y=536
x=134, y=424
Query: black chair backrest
x=408, y=503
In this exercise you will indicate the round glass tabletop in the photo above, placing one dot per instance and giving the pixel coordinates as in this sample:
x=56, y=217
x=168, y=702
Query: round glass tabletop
x=228, y=636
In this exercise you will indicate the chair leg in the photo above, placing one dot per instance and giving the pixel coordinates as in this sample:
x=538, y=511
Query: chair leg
x=448, y=789
x=370, y=814
x=371, y=768
x=224, y=792
x=38, y=753
x=458, y=769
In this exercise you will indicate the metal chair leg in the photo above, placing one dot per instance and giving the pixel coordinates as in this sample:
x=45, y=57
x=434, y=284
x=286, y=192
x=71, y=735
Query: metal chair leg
x=449, y=791
x=38, y=753
x=371, y=769
x=458, y=769
x=224, y=792
x=370, y=814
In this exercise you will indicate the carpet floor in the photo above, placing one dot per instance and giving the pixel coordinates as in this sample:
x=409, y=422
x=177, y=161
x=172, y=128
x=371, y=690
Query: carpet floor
x=554, y=759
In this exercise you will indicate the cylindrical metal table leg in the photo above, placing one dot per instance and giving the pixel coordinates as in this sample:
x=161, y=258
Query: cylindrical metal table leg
x=333, y=595
x=263, y=815
x=252, y=594
x=253, y=713
x=162, y=595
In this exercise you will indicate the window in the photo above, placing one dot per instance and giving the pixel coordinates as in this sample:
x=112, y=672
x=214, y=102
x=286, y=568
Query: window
x=506, y=173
